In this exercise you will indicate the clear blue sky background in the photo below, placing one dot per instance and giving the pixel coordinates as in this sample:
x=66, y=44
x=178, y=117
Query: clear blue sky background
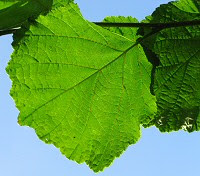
x=156, y=154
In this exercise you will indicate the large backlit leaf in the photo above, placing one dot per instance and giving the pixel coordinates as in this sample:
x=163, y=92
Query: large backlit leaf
x=177, y=78
x=81, y=87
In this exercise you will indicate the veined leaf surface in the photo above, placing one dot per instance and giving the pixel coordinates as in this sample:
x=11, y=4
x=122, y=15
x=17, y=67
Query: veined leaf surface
x=81, y=87
x=128, y=32
x=177, y=78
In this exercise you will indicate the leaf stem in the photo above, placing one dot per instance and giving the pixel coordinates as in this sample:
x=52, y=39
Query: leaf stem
x=153, y=25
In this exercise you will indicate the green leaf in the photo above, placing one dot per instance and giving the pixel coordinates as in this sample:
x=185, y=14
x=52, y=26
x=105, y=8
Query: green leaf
x=127, y=32
x=13, y=13
x=177, y=78
x=81, y=87
x=5, y=4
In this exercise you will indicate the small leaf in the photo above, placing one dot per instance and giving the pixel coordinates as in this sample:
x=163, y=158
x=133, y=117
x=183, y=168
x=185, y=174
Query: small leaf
x=128, y=32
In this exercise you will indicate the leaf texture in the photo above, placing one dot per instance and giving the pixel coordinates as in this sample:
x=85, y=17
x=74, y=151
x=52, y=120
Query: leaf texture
x=81, y=87
x=130, y=33
x=13, y=13
x=177, y=78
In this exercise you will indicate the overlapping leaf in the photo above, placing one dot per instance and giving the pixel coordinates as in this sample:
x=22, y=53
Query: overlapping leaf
x=13, y=13
x=81, y=87
x=127, y=32
x=177, y=78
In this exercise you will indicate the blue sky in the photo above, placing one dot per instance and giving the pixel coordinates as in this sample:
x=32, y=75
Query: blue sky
x=23, y=154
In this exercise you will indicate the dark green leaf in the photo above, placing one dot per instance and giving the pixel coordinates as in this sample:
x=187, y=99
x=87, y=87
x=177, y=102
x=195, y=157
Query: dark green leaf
x=13, y=13
x=177, y=78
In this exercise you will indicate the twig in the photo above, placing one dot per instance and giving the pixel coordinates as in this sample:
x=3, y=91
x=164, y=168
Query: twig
x=153, y=25
x=8, y=31
x=108, y=24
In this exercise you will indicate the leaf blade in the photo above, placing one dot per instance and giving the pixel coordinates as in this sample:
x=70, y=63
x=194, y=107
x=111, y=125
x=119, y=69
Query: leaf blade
x=84, y=103
x=177, y=76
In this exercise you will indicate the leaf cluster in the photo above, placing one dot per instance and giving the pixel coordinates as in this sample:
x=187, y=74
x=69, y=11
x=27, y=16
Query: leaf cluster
x=88, y=89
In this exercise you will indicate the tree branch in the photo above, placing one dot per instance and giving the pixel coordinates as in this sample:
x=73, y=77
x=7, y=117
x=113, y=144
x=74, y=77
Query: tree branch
x=108, y=24
x=8, y=31
x=153, y=25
